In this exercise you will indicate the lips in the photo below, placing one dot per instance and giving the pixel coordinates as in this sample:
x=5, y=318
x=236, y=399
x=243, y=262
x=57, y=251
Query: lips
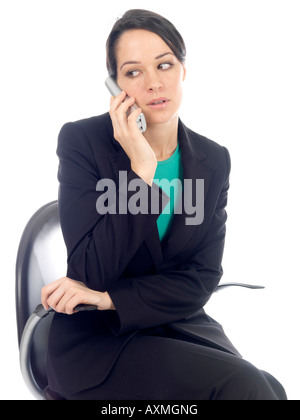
x=159, y=103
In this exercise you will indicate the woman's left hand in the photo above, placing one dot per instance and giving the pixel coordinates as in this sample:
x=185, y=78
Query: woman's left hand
x=64, y=294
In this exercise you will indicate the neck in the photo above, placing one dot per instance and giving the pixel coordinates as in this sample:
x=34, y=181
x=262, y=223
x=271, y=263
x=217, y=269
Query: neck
x=163, y=138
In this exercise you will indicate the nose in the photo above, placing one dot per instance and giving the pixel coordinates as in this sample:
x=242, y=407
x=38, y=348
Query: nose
x=153, y=82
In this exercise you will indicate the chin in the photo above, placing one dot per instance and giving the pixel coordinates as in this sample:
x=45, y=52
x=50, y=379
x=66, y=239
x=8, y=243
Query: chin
x=160, y=118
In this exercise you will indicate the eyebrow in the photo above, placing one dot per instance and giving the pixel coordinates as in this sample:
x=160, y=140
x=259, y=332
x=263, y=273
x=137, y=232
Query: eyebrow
x=138, y=62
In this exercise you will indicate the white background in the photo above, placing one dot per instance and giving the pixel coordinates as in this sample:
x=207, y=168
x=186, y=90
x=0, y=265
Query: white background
x=242, y=90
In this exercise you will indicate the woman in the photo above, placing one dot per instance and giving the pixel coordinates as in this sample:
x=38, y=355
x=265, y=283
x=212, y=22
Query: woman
x=149, y=271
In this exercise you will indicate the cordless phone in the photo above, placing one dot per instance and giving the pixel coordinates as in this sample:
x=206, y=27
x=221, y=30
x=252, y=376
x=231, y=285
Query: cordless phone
x=115, y=90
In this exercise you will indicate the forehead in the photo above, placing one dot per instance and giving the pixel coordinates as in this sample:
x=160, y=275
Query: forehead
x=139, y=44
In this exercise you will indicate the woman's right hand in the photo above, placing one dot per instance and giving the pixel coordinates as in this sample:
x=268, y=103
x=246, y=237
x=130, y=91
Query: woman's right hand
x=126, y=132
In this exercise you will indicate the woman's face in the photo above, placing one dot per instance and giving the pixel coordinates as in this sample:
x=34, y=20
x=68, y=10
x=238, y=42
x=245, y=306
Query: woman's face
x=148, y=70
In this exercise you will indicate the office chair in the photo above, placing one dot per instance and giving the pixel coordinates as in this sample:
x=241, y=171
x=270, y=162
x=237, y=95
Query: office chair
x=41, y=259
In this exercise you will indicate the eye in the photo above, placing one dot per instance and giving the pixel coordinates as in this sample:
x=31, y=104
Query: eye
x=133, y=73
x=165, y=66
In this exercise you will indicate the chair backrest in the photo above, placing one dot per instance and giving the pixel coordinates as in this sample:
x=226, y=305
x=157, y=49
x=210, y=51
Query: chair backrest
x=41, y=259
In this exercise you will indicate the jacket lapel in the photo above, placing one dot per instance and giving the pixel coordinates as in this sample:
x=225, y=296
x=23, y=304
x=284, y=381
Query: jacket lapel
x=194, y=167
x=121, y=162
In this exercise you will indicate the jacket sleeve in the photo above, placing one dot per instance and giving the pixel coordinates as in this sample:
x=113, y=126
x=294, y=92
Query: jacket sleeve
x=95, y=243
x=174, y=294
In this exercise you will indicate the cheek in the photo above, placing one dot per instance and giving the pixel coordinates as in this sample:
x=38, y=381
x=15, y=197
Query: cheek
x=179, y=91
x=127, y=85
x=137, y=91
x=134, y=90
x=175, y=84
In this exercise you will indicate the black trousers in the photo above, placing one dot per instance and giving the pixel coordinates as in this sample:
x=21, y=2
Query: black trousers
x=171, y=368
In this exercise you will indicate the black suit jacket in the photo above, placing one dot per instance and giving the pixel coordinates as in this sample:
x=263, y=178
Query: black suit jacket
x=150, y=283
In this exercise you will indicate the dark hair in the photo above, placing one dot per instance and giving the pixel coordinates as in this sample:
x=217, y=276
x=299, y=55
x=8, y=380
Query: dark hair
x=150, y=21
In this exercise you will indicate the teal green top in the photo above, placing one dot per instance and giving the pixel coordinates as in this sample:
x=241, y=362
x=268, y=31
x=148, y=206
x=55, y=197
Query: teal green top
x=169, y=176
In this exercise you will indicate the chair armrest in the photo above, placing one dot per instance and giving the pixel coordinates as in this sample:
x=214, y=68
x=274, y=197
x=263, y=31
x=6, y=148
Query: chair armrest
x=248, y=286
x=25, y=349
x=26, y=345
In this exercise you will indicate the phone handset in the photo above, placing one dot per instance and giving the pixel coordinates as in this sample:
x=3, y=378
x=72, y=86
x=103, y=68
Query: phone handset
x=115, y=90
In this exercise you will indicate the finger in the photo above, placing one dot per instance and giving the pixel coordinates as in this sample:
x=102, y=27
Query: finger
x=56, y=296
x=44, y=302
x=59, y=301
x=120, y=115
x=125, y=106
x=119, y=120
x=48, y=290
x=73, y=302
x=115, y=101
x=116, y=117
x=120, y=108
x=70, y=300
